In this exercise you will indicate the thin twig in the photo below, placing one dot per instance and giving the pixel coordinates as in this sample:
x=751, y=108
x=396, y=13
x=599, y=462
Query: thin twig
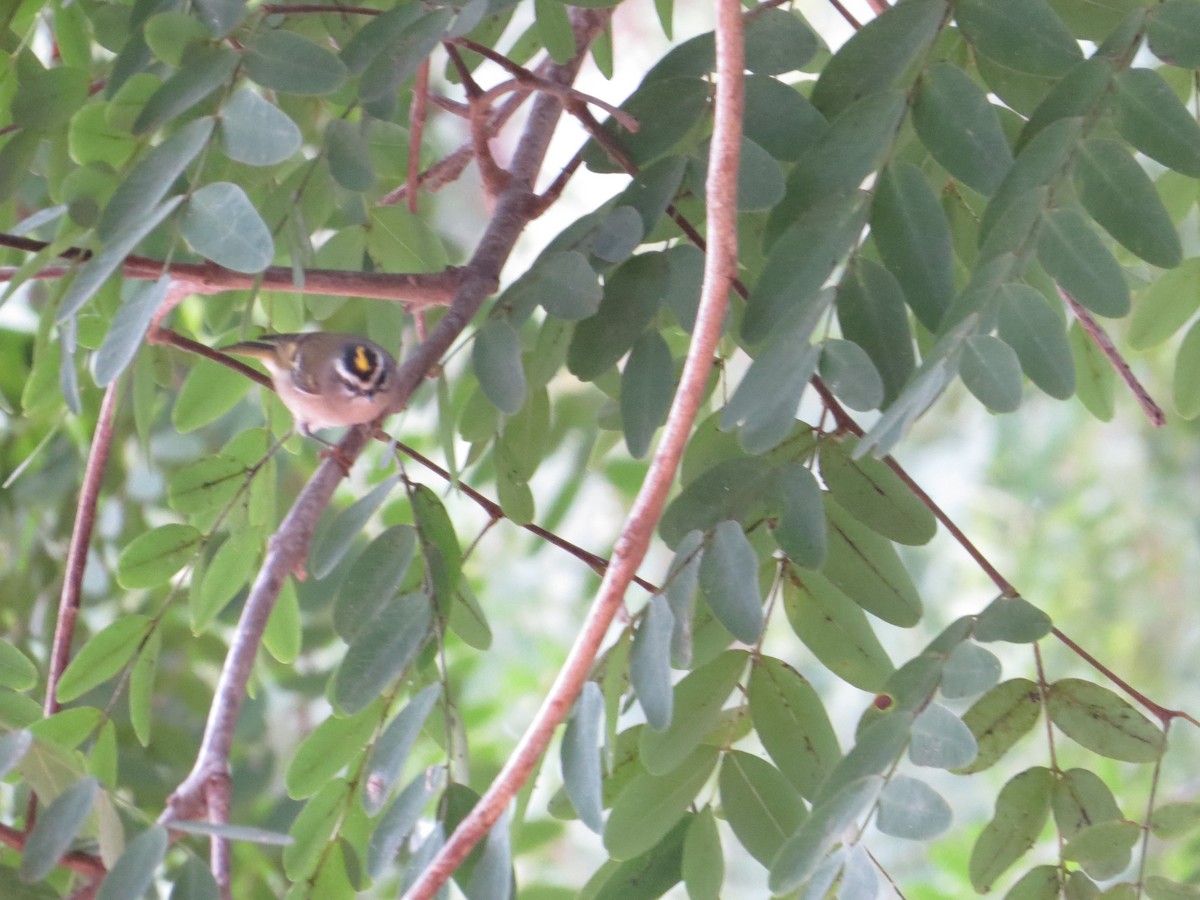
x=415, y=290
x=720, y=265
x=1094, y=331
x=495, y=511
x=416, y=132
x=84, y=863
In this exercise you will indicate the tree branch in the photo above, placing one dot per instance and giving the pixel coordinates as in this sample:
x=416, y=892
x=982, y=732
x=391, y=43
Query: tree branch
x=415, y=290
x=207, y=786
x=720, y=265
x=1089, y=324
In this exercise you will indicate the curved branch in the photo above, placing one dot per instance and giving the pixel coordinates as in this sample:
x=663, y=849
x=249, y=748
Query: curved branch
x=81, y=537
x=206, y=788
x=720, y=265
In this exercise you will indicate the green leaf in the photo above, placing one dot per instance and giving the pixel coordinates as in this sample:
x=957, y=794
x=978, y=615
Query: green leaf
x=647, y=387
x=729, y=582
x=1082, y=92
x=399, y=241
x=792, y=724
x=220, y=16
x=56, y=828
x=13, y=747
x=1103, y=722
x=1096, y=379
x=1122, y=199
x=564, y=283
x=1172, y=298
x=855, y=145
x=255, y=131
x=650, y=663
x=1021, y=810
x=581, y=770
x=970, y=670
x=780, y=119
x=1173, y=31
x=912, y=810
x=760, y=804
x=378, y=34
x=666, y=112
x=1012, y=619
x=392, y=748
x=139, y=193
x=941, y=740
x=554, y=29
x=221, y=223
x=646, y=876
x=439, y=544
x=1174, y=820
x=697, y=711
x=224, y=576
x=1187, y=375
x=760, y=182
x=878, y=54
x=1159, y=888
x=312, y=828
x=703, y=863
x=47, y=98
x=1000, y=718
x=1151, y=117
x=128, y=328
x=93, y=273
x=871, y=491
x=1039, y=883
x=1035, y=331
x=16, y=670
x=207, y=484
x=992, y=372
x=209, y=391
x=778, y=41
x=288, y=62
x=326, y=749
x=1040, y=164
x=348, y=156
x=1081, y=799
x=1026, y=35
x=872, y=314
x=105, y=654
x=849, y=373
x=384, y=648
x=334, y=542
x=373, y=580
x=961, y=128
x=496, y=360
x=1075, y=257
x=800, y=528
x=202, y=74
x=134, y=872
x=765, y=401
x=799, y=263
x=1103, y=850
x=866, y=567
x=153, y=557
x=800, y=855
x=619, y=234
x=650, y=805
x=836, y=630
x=632, y=296
x=398, y=821
x=682, y=580
x=141, y=688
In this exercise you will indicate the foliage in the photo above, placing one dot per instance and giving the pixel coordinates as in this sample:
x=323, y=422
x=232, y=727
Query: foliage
x=950, y=199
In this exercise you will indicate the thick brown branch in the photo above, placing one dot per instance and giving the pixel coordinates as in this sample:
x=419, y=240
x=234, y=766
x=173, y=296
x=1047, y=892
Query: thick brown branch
x=206, y=787
x=720, y=265
x=81, y=536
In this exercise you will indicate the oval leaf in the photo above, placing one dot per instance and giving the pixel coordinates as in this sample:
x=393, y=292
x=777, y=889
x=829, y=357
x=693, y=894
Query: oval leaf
x=221, y=223
x=1103, y=722
x=152, y=558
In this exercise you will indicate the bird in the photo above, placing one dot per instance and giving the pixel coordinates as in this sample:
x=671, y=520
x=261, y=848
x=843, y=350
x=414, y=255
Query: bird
x=325, y=379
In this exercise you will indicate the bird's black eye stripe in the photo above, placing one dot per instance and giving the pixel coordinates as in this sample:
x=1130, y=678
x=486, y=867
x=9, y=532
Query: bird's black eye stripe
x=361, y=367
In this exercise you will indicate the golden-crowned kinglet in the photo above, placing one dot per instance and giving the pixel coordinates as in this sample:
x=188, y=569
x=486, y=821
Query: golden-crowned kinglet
x=325, y=379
